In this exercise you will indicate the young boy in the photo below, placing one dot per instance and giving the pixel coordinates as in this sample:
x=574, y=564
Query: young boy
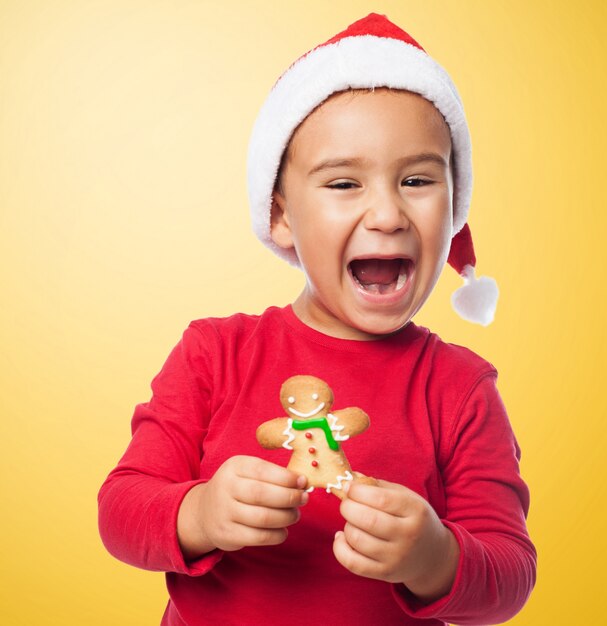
x=359, y=172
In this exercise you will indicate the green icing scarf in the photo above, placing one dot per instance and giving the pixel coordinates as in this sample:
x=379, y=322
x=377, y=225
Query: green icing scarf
x=317, y=422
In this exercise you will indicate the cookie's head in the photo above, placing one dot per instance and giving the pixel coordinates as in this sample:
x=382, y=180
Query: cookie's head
x=305, y=397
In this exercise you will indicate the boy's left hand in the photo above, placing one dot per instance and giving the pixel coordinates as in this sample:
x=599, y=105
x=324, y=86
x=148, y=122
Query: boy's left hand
x=393, y=534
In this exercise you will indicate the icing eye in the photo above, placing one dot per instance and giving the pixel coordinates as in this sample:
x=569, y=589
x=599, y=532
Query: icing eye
x=314, y=396
x=291, y=399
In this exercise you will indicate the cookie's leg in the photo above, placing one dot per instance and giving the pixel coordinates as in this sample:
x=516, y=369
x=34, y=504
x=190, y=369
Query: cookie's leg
x=338, y=492
x=365, y=480
x=361, y=478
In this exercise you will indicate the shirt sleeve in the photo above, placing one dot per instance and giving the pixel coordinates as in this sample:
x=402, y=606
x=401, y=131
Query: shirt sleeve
x=487, y=505
x=140, y=498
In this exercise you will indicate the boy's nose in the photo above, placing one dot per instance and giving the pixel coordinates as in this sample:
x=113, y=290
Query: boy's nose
x=386, y=212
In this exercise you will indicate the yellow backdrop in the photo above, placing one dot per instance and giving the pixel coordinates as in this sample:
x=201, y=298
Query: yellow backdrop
x=123, y=215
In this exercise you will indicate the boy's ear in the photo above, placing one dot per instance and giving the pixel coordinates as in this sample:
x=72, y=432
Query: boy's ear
x=280, y=229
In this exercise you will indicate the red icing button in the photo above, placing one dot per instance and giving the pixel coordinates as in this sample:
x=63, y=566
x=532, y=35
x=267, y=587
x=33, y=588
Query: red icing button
x=314, y=463
x=309, y=435
x=312, y=450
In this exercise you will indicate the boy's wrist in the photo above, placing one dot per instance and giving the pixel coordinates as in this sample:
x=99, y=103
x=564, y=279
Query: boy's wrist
x=190, y=535
x=438, y=581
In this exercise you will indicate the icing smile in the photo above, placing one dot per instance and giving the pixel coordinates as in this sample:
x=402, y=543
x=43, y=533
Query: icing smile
x=320, y=407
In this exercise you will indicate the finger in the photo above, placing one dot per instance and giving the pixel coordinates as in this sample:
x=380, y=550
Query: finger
x=249, y=491
x=259, y=469
x=352, y=560
x=368, y=545
x=385, y=496
x=373, y=521
x=250, y=536
x=265, y=518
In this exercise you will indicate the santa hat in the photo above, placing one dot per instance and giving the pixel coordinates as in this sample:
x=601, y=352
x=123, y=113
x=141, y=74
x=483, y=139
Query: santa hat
x=372, y=52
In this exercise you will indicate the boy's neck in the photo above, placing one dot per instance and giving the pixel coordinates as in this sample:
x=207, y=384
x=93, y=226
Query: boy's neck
x=314, y=316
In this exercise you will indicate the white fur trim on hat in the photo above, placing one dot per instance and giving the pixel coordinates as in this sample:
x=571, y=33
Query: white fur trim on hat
x=355, y=62
x=476, y=300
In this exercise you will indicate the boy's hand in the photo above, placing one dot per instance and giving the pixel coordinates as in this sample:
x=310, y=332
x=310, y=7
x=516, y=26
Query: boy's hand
x=393, y=534
x=248, y=502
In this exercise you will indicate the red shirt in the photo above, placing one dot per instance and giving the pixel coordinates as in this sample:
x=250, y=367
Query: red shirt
x=438, y=426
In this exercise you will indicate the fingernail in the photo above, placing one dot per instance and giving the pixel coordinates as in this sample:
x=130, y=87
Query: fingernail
x=305, y=496
x=302, y=481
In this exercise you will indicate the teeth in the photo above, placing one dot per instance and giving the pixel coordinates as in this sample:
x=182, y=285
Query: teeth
x=402, y=277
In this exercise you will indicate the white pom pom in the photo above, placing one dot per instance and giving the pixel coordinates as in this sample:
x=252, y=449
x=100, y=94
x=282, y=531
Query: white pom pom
x=476, y=301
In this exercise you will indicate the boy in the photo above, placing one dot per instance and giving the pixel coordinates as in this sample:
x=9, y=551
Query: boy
x=359, y=172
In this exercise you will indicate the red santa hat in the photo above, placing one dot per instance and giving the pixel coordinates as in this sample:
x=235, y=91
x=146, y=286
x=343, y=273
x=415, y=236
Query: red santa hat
x=372, y=52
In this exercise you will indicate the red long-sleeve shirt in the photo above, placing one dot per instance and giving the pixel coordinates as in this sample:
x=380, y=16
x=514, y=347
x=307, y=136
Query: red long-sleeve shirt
x=438, y=426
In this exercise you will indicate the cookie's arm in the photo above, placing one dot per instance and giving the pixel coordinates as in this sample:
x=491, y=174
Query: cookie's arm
x=353, y=419
x=271, y=433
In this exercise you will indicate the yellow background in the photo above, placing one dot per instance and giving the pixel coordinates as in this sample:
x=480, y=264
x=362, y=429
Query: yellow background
x=123, y=215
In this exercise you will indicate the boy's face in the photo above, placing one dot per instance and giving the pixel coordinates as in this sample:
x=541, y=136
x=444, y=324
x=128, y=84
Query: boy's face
x=369, y=218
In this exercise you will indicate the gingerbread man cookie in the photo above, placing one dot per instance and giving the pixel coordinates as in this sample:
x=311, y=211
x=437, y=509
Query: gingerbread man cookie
x=314, y=433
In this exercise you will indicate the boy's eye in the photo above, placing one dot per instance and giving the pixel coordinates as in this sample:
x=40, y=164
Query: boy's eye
x=342, y=184
x=415, y=182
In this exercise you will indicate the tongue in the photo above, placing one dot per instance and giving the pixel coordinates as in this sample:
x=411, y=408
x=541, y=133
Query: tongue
x=376, y=271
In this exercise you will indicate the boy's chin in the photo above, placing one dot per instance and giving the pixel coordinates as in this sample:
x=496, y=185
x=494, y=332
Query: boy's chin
x=376, y=327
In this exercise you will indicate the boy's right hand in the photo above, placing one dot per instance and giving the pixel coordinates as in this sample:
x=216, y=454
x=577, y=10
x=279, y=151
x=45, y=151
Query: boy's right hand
x=248, y=502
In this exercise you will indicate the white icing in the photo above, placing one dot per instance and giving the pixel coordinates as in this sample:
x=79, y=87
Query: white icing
x=290, y=435
x=314, y=396
x=310, y=489
x=347, y=476
x=291, y=399
x=320, y=407
x=335, y=428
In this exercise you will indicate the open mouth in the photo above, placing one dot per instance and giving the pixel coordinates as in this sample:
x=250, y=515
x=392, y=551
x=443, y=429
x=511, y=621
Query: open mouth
x=380, y=276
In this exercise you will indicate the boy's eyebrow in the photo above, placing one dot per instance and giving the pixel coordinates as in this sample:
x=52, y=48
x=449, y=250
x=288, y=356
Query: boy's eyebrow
x=357, y=162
